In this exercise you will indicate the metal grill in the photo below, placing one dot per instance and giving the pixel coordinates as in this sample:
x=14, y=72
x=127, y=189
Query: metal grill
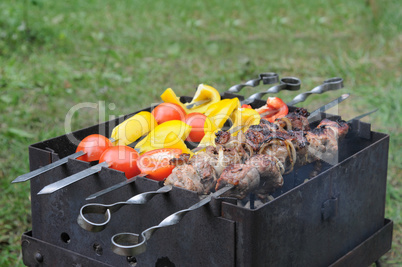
x=335, y=217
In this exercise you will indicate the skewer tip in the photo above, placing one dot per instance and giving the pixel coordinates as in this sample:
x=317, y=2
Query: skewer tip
x=46, y=190
x=90, y=197
x=16, y=180
x=21, y=178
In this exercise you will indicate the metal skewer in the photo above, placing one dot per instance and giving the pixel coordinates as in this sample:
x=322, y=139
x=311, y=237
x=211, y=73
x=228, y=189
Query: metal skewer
x=328, y=85
x=113, y=187
x=72, y=179
x=28, y=176
x=131, y=180
x=311, y=118
x=197, y=103
x=32, y=174
x=363, y=115
x=286, y=83
x=314, y=115
x=128, y=244
x=107, y=210
x=265, y=78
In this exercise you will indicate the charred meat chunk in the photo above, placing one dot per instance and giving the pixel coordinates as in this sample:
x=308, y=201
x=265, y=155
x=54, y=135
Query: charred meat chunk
x=181, y=160
x=222, y=137
x=256, y=135
x=245, y=177
x=219, y=157
x=302, y=112
x=323, y=140
x=270, y=170
x=296, y=120
x=201, y=180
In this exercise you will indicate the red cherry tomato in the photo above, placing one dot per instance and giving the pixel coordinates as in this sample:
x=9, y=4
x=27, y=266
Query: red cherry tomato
x=275, y=108
x=155, y=163
x=167, y=112
x=122, y=158
x=196, y=121
x=93, y=145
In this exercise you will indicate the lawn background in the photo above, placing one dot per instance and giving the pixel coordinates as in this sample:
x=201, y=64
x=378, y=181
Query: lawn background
x=55, y=54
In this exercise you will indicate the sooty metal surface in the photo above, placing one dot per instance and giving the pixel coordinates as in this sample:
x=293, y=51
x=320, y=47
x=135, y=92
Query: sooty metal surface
x=300, y=228
x=39, y=253
x=310, y=223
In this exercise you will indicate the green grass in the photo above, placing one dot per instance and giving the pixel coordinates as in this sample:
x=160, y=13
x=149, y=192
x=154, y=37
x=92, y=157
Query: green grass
x=55, y=54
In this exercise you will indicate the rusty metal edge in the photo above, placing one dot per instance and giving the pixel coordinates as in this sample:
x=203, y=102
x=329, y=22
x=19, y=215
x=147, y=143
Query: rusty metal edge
x=370, y=250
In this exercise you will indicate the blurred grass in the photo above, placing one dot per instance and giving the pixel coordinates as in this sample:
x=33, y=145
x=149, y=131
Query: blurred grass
x=55, y=54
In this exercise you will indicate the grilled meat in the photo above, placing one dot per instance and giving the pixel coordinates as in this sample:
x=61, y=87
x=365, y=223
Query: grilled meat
x=219, y=157
x=302, y=112
x=340, y=127
x=245, y=177
x=276, y=151
x=323, y=140
x=270, y=170
x=296, y=119
x=278, y=147
x=181, y=160
x=222, y=137
x=203, y=169
x=256, y=135
x=201, y=179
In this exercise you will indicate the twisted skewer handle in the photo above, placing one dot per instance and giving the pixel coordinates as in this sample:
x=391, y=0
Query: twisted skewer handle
x=328, y=85
x=266, y=78
x=287, y=83
x=107, y=210
x=128, y=244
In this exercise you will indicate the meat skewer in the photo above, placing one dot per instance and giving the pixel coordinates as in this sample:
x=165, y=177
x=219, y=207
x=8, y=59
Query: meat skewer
x=184, y=158
x=129, y=244
x=295, y=120
x=91, y=147
x=276, y=151
x=266, y=78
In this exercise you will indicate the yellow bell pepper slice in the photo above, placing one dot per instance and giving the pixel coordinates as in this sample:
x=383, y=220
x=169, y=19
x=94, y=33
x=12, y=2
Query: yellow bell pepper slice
x=171, y=141
x=157, y=136
x=244, y=117
x=169, y=96
x=210, y=129
x=133, y=128
x=217, y=114
x=220, y=112
x=204, y=92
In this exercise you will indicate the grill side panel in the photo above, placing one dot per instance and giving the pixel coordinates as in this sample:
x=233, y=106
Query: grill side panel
x=319, y=221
